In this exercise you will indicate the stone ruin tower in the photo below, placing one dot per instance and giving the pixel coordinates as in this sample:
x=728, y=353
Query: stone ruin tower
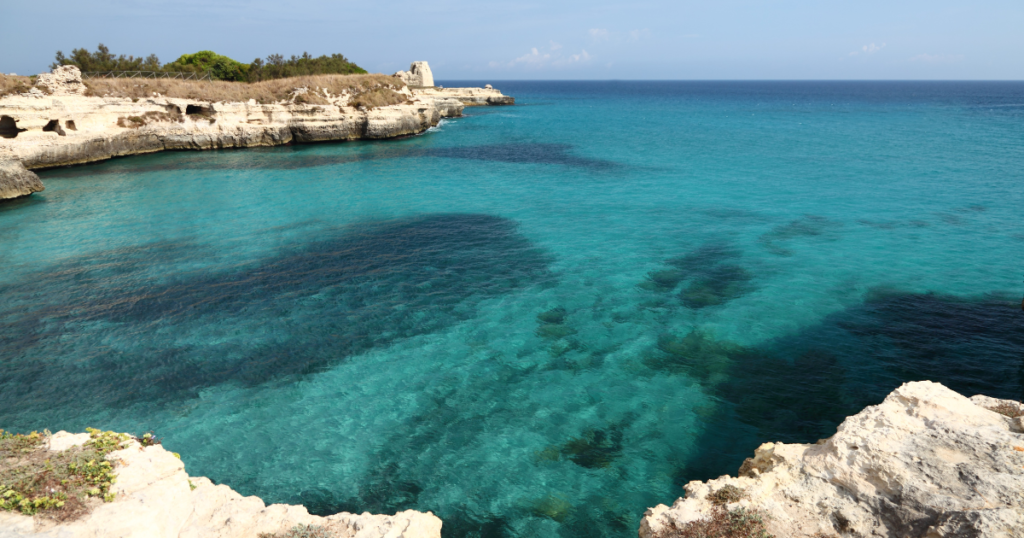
x=418, y=75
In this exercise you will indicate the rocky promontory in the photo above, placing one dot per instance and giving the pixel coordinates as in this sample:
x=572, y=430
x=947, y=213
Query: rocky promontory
x=62, y=121
x=925, y=463
x=153, y=497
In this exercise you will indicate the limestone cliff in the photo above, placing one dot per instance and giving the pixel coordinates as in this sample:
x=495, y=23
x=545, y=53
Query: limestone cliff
x=56, y=124
x=155, y=498
x=926, y=462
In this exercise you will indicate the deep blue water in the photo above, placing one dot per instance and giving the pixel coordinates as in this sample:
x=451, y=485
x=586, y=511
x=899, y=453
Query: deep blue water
x=535, y=320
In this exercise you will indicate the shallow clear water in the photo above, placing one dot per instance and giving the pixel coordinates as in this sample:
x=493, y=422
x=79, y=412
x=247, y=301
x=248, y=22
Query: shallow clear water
x=535, y=320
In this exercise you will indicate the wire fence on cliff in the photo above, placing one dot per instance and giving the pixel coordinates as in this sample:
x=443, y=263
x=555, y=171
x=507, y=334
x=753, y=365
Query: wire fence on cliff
x=148, y=74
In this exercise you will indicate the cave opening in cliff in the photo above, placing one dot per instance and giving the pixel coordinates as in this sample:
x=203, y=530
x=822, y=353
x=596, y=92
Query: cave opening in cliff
x=196, y=110
x=70, y=125
x=9, y=127
x=54, y=126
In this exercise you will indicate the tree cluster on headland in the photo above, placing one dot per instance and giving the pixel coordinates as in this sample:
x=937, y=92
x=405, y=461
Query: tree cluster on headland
x=220, y=67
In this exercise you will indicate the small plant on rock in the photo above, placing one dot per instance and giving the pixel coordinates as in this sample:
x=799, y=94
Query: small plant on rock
x=725, y=495
x=720, y=523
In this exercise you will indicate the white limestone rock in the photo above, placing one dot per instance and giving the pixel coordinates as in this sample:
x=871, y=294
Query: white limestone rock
x=418, y=75
x=927, y=462
x=155, y=498
x=64, y=80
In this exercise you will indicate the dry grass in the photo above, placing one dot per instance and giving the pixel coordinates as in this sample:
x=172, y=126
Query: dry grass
x=375, y=98
x=727, y=494
x=14, y=85
x=720, y=523
x=268, y=91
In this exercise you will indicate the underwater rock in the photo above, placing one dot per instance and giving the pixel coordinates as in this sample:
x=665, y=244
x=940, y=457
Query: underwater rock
x=717, y=286
x=555, y=315
x=555, y=330
x=695, y=354
x=663, y=280
x=925, y=462
x=155, y=498
x=806, y=226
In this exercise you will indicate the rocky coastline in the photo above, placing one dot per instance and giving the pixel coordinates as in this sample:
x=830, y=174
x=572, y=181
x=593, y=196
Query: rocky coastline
x=925, y=463
x=155, y=498
x=57, y=124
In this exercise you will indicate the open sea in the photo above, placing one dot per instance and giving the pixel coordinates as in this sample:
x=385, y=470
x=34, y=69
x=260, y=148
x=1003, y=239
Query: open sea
x=535, y=320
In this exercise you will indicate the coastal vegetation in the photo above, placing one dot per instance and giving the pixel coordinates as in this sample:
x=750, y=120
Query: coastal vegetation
x=59, y=485
x=219, y=67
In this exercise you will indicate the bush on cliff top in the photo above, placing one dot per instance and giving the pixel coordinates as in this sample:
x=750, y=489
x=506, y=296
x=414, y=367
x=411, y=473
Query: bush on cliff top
x=104, y=60
x=220, y=67
x=297, y=66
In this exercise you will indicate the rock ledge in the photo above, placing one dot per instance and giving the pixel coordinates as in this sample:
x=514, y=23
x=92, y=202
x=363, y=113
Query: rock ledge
x=926, y=462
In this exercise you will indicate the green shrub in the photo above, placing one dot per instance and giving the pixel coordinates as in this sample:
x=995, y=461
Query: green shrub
x=219, y=67
x=104, y=60
x=276, y=66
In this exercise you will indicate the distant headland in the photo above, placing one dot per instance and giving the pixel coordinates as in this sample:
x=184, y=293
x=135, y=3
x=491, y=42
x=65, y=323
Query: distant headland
x=60, y=118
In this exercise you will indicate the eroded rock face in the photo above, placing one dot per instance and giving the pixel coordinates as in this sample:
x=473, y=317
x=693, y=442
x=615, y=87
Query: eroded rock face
x=64, y=80
x=927, y=462
x=156, y=498
x=15, y=180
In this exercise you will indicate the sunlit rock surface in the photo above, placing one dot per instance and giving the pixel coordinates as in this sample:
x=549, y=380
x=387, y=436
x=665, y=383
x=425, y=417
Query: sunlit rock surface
x=155, y=498
x=926, y=462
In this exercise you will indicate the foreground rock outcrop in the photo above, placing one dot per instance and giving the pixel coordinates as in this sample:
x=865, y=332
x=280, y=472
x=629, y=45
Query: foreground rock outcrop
x=927, y=462
x=57, y=124
x=155, y=498
x=15, y=180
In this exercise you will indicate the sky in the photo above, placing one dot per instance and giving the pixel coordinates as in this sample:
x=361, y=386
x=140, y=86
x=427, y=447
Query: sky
x=514, y=40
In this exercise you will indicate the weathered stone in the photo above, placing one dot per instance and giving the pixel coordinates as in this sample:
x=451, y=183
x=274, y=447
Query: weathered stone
x=418, y=75
x=156, y=498
x=926, y=462
x=15, y=180
x=64, y=80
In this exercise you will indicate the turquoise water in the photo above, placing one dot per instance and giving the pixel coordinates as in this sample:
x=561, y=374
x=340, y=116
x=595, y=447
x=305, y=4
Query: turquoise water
x=535, y=320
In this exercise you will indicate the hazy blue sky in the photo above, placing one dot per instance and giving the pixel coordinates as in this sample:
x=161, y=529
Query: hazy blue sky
x=595, y=39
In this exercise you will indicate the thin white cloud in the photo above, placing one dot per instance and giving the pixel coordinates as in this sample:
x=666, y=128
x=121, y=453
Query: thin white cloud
x=937, y=58
x=637, y=35
x=600, y=34
x=534, y=57
x=870, y=48
x=537, y=58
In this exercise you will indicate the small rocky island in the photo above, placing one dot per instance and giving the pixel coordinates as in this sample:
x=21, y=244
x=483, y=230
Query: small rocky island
x=62, y=120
